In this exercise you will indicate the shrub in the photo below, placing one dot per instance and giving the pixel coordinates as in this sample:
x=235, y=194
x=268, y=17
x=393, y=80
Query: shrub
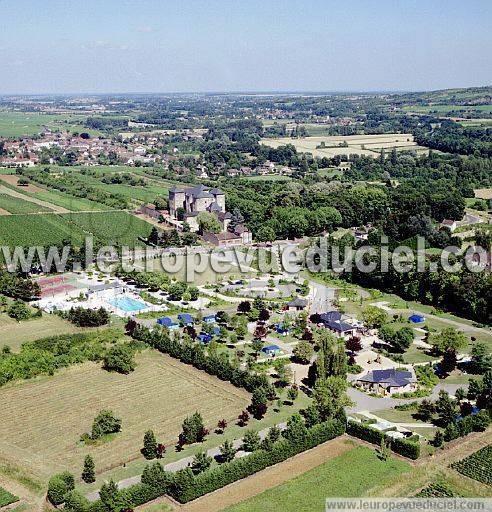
x=105, y=423
x=58, y=486
x=120, y=359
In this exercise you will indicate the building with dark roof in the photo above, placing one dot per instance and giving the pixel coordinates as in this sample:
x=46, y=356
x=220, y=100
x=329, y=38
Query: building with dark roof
x=387, y=382
x=297, y=304
x=333, y=321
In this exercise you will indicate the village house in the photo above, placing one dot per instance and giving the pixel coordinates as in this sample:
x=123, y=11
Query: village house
x=388, y=382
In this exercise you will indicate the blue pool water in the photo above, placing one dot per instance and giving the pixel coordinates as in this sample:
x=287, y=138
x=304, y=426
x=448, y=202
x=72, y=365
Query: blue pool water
x=127, y=304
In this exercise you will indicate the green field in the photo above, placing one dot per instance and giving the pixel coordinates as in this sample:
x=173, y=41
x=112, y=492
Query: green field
x=110, y=228
x=17, y=205
x=6, y=498
x=37, y=230
x=13, y=333
x=16, y=124
x=58, y=198
x=354, y=473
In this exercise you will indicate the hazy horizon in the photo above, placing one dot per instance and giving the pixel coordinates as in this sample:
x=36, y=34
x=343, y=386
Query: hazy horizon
x=250, y=47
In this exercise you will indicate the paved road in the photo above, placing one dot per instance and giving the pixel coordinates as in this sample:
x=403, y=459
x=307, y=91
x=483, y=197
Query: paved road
x=182, y=463
x=364, y=402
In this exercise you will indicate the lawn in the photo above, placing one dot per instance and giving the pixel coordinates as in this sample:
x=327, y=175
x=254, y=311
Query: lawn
x=42, y=419
x=18, y=205
x=353, y=473
x=13, y=333
x=6, y=498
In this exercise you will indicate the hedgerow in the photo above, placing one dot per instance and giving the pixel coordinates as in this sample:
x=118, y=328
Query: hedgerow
x=407, y=448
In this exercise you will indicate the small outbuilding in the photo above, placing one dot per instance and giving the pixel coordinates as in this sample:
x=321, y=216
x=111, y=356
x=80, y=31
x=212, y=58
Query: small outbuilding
x=297, y=304
x=271, y=350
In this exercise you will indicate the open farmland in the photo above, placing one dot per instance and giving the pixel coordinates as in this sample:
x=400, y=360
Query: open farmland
x=109, y=228
x=17, y=124
x=54, y=199
x=478, y=465
x=33, y=230
x=42, y=420
x=369, y=145
x=17, y=205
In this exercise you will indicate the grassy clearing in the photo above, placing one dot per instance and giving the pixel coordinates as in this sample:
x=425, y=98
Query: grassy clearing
x=354, y=473
x=42, y=420
x=17, y=205
x=13, y=333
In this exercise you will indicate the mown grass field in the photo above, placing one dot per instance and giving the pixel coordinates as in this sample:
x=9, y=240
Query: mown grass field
x=369, y=145
x=17, y=205
x=354, y=473
x=43, y=419
x=14, y=334
x=110, y=228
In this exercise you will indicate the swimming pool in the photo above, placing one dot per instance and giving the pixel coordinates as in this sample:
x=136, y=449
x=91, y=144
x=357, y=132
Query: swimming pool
x=127, y=304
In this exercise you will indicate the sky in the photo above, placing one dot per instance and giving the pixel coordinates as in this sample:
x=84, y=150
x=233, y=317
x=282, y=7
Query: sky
x=111, y=46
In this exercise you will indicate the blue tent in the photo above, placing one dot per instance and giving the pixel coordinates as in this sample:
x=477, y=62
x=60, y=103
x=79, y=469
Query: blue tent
x=204, y=338
x=185, y=318
x=165, y=321
x=416, y=318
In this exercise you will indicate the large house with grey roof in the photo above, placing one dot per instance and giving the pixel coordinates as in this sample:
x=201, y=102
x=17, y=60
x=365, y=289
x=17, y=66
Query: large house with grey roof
x=387, y=382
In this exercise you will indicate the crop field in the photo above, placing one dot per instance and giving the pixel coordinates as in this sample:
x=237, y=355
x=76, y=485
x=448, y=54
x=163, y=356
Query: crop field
x=369, y=145
x=6, y=498
x=33, y=230
x=43, y=419
x=111, y=228
x=16, y=124
x=354, y=473
x=17, y=205
x=478, y=465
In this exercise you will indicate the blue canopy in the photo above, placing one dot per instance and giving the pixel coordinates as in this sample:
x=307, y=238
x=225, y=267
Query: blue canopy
x=416, y=319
